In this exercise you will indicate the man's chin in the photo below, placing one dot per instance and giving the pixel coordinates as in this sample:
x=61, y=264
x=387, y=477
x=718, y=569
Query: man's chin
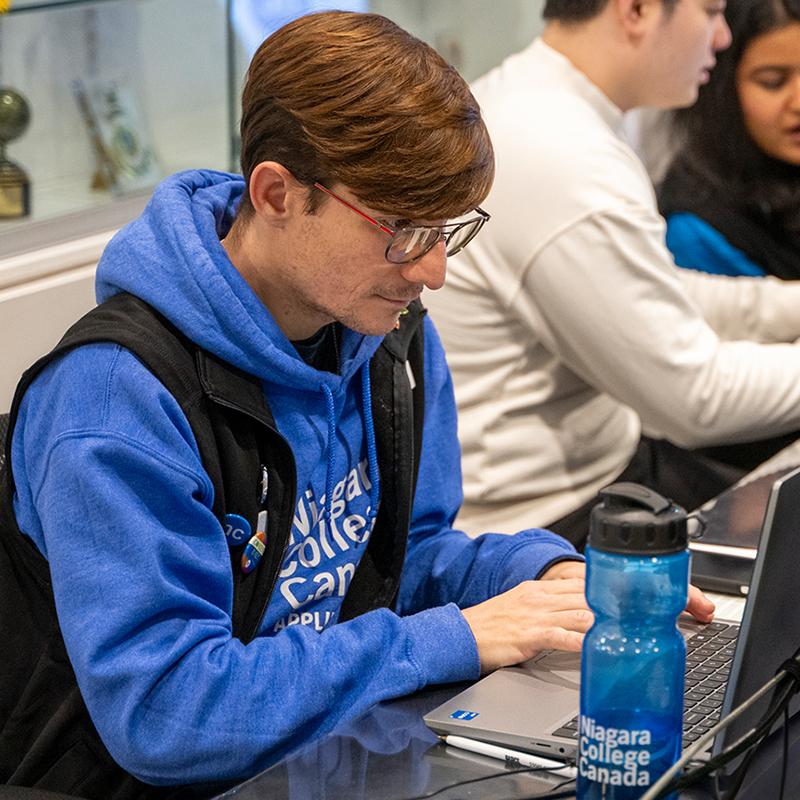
x=684, y=100
x=377, y=327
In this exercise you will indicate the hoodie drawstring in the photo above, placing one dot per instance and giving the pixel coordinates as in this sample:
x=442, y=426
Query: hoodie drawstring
x=372, y=454
x=331, y=438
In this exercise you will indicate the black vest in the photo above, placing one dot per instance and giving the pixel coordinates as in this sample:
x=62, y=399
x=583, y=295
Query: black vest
x=47, y=739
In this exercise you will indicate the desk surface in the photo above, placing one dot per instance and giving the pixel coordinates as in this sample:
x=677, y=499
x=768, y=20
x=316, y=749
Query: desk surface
x=389, y=754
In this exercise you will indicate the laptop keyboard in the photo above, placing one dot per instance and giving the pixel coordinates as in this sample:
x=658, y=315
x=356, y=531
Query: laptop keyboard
x=708, y=664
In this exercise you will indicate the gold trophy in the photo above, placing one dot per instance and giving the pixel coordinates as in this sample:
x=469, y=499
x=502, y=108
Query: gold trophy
x=15, y=187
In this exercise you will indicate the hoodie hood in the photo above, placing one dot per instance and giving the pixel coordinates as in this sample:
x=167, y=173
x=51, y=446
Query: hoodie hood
x=176, y=243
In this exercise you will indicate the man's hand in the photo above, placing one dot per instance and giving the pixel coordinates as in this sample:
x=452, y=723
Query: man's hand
x=549, y=613
x=699, y=606
x=565, y=569
x=536, y=615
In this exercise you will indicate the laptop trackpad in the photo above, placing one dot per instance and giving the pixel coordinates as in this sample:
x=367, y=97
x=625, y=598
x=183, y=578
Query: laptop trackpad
x=561, y=662
x=516, y=705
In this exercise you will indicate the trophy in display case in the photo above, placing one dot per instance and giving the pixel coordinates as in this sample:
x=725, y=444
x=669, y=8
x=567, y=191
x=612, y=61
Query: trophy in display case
x=14, y=183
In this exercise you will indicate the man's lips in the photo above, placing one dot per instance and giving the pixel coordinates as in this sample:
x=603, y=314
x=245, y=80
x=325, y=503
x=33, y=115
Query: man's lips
x=401, y=301
x=706, y=72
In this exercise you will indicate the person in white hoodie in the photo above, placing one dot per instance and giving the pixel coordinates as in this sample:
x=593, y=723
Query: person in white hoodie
x=580, y=353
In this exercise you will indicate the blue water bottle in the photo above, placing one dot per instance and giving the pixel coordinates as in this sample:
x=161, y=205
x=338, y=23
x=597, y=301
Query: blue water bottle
x=634, y=658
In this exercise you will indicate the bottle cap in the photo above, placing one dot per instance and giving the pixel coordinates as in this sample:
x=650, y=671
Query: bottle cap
x=635, y=520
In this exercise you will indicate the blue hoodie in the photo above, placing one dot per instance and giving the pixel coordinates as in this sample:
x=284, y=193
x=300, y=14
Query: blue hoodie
x=111, y=489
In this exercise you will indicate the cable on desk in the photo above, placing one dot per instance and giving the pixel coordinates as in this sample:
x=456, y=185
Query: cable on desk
x=786, y=684
x=554, y=794
x=792, y=668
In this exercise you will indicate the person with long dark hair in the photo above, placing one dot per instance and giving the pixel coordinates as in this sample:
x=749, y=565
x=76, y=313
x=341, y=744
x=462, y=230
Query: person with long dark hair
x=732, y=193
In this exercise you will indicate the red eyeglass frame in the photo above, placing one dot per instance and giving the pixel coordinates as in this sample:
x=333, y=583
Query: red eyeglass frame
x=441, y=230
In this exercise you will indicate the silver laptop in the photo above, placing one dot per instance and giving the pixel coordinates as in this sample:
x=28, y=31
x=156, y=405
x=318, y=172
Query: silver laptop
x=534, y=706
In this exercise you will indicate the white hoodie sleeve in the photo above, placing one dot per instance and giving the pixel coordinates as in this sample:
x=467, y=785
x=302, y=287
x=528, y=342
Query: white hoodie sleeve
x=614, y=310
x=759, y=309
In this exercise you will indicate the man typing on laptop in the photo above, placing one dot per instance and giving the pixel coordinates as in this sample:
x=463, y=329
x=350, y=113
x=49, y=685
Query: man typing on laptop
x=179, y=653
x=516, y=625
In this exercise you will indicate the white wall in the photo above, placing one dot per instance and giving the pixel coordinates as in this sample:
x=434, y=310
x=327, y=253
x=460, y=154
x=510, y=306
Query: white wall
x=41, y=295
x=172, y=54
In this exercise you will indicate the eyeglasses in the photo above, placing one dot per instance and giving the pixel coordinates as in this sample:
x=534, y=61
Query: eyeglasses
x=409, y=244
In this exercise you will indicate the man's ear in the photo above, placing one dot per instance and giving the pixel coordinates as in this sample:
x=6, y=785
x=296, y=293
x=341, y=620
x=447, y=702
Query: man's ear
x=275, y=192
x=637, y=16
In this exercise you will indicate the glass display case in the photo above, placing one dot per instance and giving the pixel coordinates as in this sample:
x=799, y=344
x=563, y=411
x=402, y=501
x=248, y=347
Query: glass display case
x=100, y=99
x=118, y=93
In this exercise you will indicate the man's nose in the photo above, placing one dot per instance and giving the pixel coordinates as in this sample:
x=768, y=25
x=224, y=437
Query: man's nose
x=722, y=35
x=429, y=270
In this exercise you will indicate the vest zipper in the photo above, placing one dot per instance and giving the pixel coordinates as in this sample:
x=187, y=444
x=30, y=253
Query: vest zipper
x=248, y=636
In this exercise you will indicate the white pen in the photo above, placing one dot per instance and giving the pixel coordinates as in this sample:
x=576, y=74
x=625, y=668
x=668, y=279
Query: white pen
x=511, y=757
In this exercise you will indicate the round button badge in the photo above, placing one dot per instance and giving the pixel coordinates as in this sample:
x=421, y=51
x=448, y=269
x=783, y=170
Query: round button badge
x=237, y=530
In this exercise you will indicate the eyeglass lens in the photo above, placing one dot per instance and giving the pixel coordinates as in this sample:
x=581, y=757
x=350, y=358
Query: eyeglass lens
x=412, y=243
x=463, y=235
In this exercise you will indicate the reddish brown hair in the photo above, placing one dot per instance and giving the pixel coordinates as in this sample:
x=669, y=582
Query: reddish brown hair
x=353, y=98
